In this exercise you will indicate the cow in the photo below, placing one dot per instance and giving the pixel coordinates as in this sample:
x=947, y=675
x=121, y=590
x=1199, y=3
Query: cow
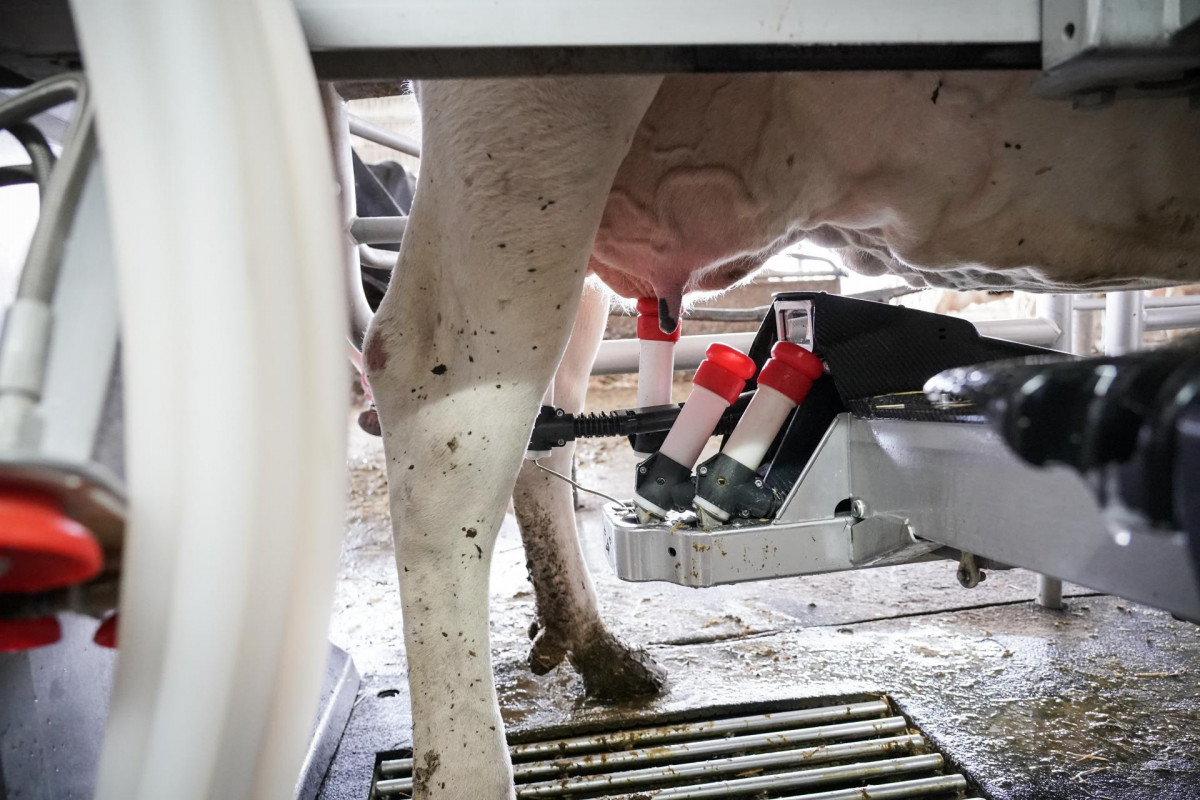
x=661, y=186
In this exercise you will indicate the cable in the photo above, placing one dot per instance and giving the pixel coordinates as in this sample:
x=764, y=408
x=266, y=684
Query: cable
x=40, y=96
x=579, y=486
x=41, y=157
x=59, y=200
x=16, y=175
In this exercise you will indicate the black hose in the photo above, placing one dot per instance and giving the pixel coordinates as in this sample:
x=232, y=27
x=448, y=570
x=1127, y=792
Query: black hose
x=16, y=175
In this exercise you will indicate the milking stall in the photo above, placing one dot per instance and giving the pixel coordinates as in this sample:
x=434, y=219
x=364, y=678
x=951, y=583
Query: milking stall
x=811, y=535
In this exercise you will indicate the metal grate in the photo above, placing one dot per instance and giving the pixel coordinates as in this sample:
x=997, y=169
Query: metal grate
x=852, y=751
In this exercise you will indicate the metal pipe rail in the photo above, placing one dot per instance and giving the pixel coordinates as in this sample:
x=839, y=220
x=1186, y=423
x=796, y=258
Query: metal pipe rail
x=373, y=133
x=378, y=230
x=1098, y=303
x=1171, y=318
x=620, y=356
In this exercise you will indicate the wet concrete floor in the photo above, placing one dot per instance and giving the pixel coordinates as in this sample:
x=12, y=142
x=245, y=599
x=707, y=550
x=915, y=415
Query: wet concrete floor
x=1098, y=700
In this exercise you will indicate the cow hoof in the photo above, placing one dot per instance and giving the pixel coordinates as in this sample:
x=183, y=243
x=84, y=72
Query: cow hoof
x=613, y=671
x=548, y=651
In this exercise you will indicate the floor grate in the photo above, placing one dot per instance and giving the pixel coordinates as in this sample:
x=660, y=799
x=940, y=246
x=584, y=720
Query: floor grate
x=850, y=751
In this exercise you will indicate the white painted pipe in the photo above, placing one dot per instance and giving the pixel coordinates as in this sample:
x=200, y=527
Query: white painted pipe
x=1097, y=303
x=376, y=258
x=1172, y=318
x=339, y=139
x=373, y=133
x=1036, y=331
x=378, y=230
x=1123, y=322
x=1057, y=308
x=235, y=423
x=620, y=356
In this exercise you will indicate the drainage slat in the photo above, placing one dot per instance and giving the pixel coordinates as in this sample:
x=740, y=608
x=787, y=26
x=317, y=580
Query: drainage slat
x=827, y=753
x=922, y=787
x=686, y=751
x=675, y=733
x=721, y=766
x=697, y=730
x=802, y=778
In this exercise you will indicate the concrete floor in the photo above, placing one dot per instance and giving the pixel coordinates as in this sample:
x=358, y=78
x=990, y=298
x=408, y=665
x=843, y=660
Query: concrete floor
x=1096, y=701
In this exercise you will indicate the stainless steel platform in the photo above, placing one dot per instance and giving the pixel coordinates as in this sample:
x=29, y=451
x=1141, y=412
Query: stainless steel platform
x=913, y=487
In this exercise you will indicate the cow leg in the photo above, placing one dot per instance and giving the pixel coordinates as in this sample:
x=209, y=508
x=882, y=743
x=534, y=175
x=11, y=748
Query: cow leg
x=568, y=618
x=513, y=181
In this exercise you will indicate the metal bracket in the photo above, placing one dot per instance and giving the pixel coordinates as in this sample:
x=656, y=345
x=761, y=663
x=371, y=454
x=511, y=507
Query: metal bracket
x=1098, y=51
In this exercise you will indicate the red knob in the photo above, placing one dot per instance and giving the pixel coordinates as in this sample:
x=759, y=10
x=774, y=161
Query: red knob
x=40, y=547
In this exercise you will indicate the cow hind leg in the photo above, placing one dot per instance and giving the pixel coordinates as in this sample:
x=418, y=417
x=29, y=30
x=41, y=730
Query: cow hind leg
x=568, y=618
x=513, y=182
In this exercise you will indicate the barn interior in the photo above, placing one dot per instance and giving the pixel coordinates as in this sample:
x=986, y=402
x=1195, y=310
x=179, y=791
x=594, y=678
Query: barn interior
x=1068, y=669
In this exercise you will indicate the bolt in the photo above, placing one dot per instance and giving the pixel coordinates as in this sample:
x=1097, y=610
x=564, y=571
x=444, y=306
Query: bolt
x=703, y=470
x=661, y=481
x=745, y=513
x=642, y=470
x=858, y=508
x=758, y=483
x=561, y=442
x=558, y=412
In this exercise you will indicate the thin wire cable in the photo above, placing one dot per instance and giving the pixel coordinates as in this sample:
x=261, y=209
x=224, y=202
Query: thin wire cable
x=579, y=486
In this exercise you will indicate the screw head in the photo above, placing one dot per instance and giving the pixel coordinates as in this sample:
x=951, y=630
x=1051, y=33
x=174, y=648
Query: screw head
x=642, y=470
x=703, y=470
x=758, y=483
x=561, y=442
x=661, y=481
x=558, y=412
x=858, y=508
x=744, y=513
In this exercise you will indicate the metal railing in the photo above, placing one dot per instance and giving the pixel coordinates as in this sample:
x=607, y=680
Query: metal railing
x=1128, y=316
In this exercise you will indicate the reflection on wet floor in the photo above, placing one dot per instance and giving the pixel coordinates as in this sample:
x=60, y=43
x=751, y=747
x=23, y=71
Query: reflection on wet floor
x=1099, y=700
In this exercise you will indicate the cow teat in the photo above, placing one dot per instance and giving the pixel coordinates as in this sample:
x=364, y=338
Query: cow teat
x=667, y=322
